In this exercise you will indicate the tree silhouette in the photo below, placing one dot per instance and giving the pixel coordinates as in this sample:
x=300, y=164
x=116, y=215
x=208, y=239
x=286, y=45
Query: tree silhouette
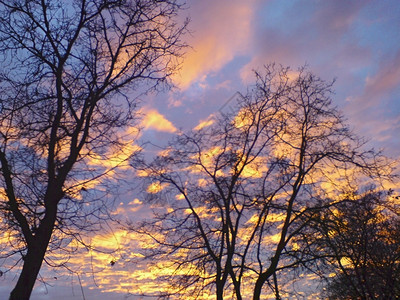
x=70, y=73
x=361, y=240
x=236, y=194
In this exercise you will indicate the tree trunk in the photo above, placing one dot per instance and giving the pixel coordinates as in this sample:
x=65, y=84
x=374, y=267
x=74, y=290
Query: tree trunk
x=34, y=257
x=257, y=289
x=220, y=292
x=32, y=263
x=220, y=289
x=262, y=278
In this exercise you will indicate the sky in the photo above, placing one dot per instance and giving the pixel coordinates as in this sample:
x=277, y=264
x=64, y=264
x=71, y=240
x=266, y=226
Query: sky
x=357, y=43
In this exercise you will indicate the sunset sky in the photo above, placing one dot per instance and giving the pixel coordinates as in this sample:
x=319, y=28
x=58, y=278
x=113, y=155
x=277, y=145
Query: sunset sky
x=355, y=42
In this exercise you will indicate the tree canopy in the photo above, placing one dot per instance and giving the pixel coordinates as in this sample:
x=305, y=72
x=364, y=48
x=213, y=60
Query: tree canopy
x=71, y=72
x=237, y=194
x=359, y=238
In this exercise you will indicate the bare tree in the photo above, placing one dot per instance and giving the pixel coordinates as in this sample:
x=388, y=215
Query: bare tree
x=235, y=194
x=361, y=243
x=70, y=71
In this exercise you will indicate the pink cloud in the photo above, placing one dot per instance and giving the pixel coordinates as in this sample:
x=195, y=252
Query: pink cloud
x=385, y=80
x=379, y=87
x=221, y=30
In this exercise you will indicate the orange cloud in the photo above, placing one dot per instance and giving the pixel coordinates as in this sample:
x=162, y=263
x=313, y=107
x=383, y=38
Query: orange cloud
x=221, y=31
x=154, y=120
x=205, y=123
x=118, y=157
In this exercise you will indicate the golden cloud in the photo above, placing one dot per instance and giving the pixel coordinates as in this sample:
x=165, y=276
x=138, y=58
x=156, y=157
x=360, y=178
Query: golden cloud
x=155, y=188
x=205, y=123
x=154, y=120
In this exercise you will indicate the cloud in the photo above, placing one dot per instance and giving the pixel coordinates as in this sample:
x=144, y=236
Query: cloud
x=376, y=110
x=115, y=157
x=352, y=42
x=336, y=17
x=221, y=30
x=298, y=33
x=384, y=82
x=155, y=188
x=154, y=120
x=205, y=123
